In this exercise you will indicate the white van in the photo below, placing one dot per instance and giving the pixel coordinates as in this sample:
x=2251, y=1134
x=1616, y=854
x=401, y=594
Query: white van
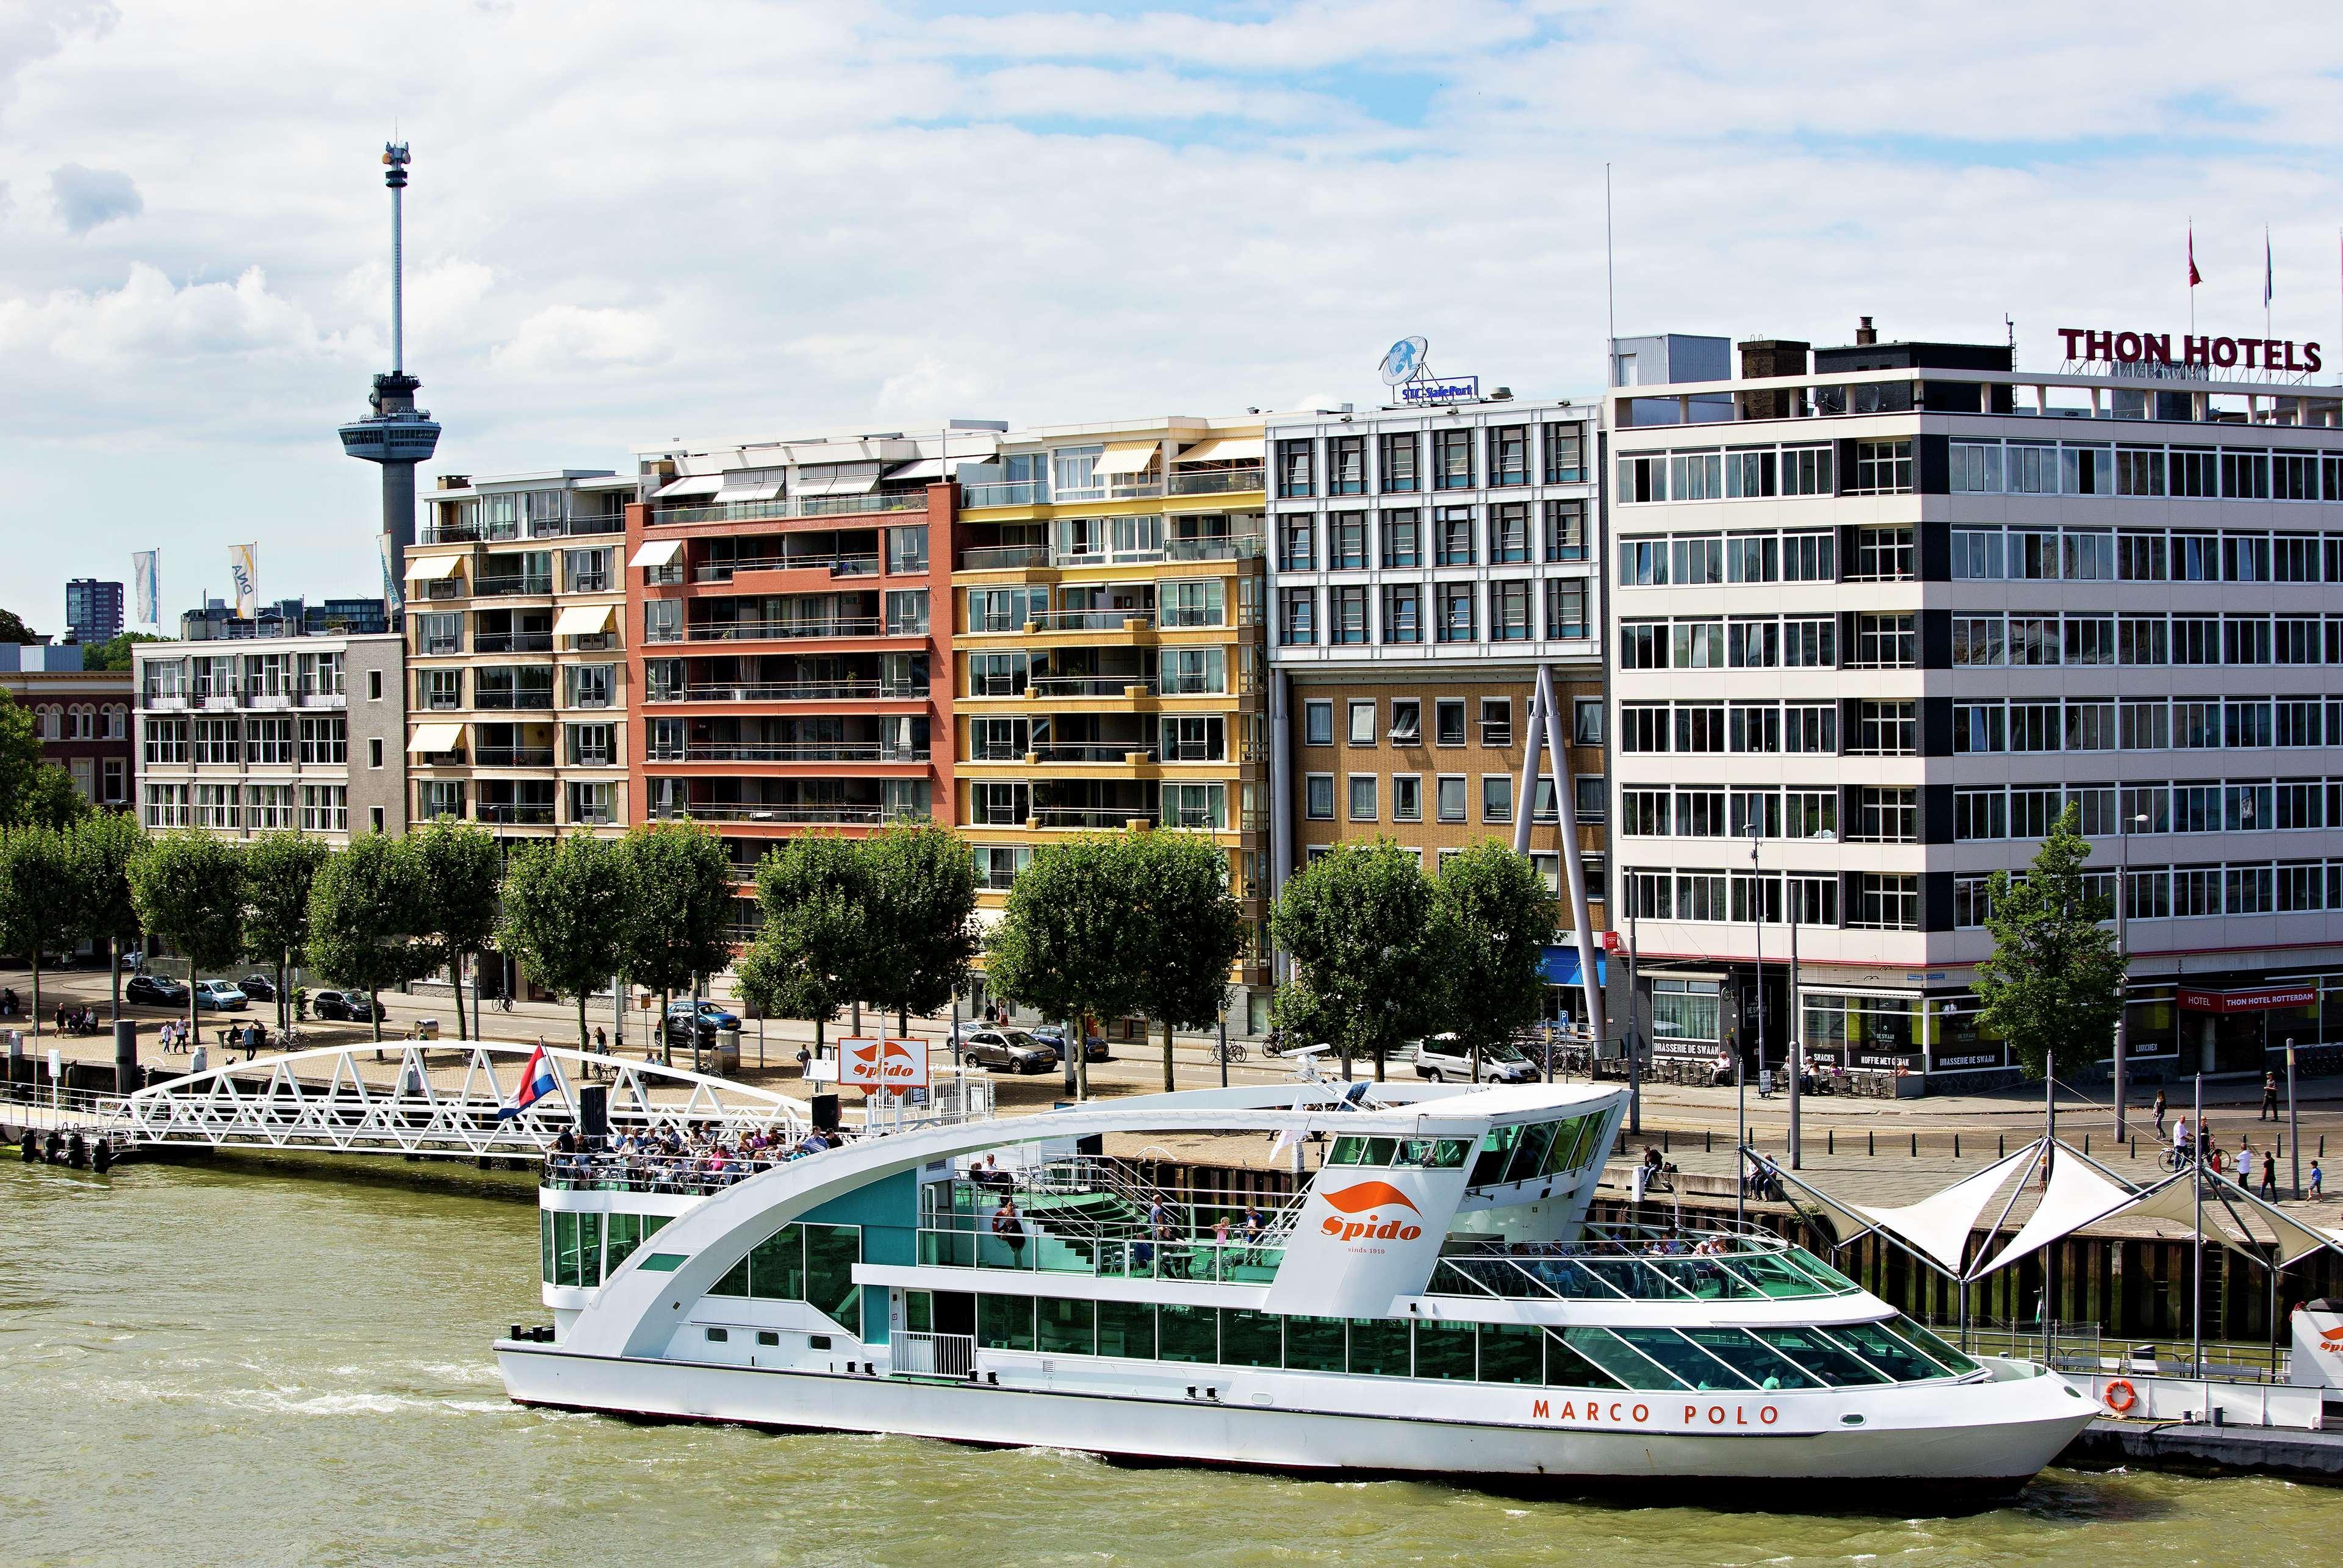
x=1443, y=1056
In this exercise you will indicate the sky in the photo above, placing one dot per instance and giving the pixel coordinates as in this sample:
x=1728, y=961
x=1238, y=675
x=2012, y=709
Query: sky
x=714, y=219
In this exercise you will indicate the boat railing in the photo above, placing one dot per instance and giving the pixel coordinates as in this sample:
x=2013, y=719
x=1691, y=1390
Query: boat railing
x=1605, y=1271
x=1035, y=1251
x=918, y=1354
x=692, y=1174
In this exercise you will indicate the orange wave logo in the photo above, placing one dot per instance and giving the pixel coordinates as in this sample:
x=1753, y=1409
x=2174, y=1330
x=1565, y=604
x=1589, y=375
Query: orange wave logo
x=1369, y=1195
x=2334, y=1338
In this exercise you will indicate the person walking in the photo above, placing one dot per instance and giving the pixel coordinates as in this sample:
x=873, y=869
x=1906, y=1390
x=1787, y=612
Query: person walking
x=1010, y=1230
x=2159, y=1114
x=2270, y=1097
x=2269, y=1179
x=2317, y=1180
x=2246, y=1162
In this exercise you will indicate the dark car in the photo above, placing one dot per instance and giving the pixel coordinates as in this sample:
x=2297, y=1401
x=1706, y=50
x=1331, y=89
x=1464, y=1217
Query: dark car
x=711, y=1017
x=1011, y=1048
x=1053, y=1035
x=259, y=988
x=349, y=1006
x=154, y=991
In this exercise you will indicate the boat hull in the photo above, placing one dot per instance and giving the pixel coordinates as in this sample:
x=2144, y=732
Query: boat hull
x=1981, y=1439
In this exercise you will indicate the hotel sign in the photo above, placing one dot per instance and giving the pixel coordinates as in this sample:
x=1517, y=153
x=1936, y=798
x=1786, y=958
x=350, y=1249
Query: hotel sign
x=2266, y=354
x=2262, y=1000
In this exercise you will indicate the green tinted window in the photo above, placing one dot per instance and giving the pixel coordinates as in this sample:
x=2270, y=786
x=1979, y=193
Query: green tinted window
x=1496, y=1148
x=1250, y=1339
x=1824, y=1360
x=1752, y=1359
x=1563, y=1155
x=1434, y=1153
x=1349, y=1150
x=1379, y=1347
x=622, y=1234
x=545, y=1244
x=777, y=1266
x=1512, y=1353
x=1687, y=1361
x=735, y=1282
x=1127, y=1328
x=919, y=1311
x=565, y=1247
x=1567, y=1367
x=830, y=1253
x=1929, y=1345
x=1004, y=1322
x=1529, y=1154
x=1313, y=1344
x=1885, y=1351
x=1445, y=1349
x=1381, y=1150
x=589, y=1249
x=1189, y=1333
x=1067, y=1328
x=1620, y=1361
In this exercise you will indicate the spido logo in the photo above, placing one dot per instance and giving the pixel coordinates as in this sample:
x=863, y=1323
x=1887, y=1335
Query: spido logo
x=884, y=1061
x=1357, y=1213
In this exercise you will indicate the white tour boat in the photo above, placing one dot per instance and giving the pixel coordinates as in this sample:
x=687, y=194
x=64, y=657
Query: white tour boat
x=1433, y=1302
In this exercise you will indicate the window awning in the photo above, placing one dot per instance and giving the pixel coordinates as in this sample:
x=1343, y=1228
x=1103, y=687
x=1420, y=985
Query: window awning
x=431, y=737
x=433, y=568
x=689, y=485
x=764, y=490
x=657, y=552
x=584, y=621
x=838, y=479
x=1128, y=456
x=929, y=469
x=1223, y=449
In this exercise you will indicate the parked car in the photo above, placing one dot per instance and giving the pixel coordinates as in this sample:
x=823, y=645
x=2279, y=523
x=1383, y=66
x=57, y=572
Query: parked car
x=220, y=994
x=1443, y=1056
x=1053, y=1035
x=1013, y=1050
x=154, y=991
x=259, y=988
x=711, y=1016
x=349, y=1006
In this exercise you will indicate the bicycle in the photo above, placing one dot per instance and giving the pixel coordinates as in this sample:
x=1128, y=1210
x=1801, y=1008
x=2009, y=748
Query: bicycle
x=1231, y=1052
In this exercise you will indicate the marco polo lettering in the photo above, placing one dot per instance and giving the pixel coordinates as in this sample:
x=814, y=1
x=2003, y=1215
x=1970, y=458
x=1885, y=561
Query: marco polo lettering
x=2222, y=353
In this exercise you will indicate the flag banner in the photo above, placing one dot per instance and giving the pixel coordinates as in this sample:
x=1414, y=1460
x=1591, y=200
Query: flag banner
x=393, y=598
x=2270, y=273
x=2195, y=277
x=147, y=588
x=244, y=567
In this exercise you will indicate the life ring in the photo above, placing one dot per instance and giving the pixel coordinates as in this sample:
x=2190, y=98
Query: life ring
x=2120, y=1396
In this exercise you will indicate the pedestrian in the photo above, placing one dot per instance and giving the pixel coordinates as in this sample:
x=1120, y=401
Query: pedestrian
x=602, y=1040
x=2270, y=1097
x=2246, y=1162
x=2317, y=1180
x=2269, y=1178
x=2159, y=1114
x=1010, y=1230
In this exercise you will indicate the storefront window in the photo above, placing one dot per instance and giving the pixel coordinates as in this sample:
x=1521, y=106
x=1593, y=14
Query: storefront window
x=1686, y=1017
x=1877, y=1032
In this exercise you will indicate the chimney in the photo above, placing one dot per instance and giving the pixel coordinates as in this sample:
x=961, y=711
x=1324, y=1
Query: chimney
x=1865, y=334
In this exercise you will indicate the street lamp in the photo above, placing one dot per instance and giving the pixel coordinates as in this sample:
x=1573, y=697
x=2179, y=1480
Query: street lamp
x=1740, y=1066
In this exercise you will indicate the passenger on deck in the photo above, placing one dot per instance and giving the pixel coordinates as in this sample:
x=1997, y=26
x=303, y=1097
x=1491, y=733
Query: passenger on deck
x=1256, y=1229
x=813, y=1142
x=1010, y=1230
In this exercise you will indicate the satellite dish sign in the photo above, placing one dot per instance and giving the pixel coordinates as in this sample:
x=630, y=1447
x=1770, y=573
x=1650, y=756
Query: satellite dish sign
x=1404, y=361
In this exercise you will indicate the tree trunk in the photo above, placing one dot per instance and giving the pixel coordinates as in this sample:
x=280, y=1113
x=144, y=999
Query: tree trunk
x=1081, y=1065
x=374, y=1016
x=114, y=945
x=284, y=999
x=1169, y=1085
x=455, y=980
x=1379, y=1064
x=666, y=1045
x=36, y=991
x=585, y=1047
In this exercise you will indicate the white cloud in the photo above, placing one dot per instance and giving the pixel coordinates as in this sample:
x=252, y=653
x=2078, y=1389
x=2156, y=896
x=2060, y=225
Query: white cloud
x=152, y=324
x=575, y=338
x=86, y=198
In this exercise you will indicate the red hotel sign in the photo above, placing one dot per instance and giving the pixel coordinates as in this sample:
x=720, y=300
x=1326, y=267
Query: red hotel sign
x=2250, y=1001
x=2156, y=348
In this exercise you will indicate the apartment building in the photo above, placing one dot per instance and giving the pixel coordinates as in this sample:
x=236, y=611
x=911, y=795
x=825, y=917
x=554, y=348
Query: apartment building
x=1881, y=613
x=791, y=671
x=93, y=610
x=1107, y=662
x=1426, y=562
x=517, y=653
x=247, y=735
x=82, y=716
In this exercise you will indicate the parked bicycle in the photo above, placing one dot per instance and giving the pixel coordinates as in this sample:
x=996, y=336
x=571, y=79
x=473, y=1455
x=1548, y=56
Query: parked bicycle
x=1231, y=1052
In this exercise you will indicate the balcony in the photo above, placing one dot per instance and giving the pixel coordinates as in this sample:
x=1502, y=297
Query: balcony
x=504, y=587
x=785, y=816
x=795, y=507
x=512, y=756
x=512, y=642
x=322, y=694
x=838, y=566
x=788, y=691
x=531, y=699
x=524, y=814
x=791, y=751
x=535, y=529
x=1092, y=819
x=1216, y=548
x=1003, y=557
x=1091, y=686
x=1020, y=493
x=1093, y=619
x=1224, y=482
x=1094, y=751
x=778, y=630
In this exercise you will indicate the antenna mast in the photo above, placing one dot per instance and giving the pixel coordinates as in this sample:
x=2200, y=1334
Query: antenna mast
x=394, y=156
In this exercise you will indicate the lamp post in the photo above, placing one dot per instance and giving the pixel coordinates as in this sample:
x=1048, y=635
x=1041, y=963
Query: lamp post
x=1797, y=1051
x=1740, y=1066
x=2123, y=964
x=1634, y=1039
x=2293, y=1128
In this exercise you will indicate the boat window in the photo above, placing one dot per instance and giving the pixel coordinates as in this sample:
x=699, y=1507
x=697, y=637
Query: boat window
x=830, y=1253
x=1694, y=1365
x=1313, y=1344
x=1567, y=1367
x=735, y=1282
x=777, y=1266
x=1188, y=1333
x=622, y=1234
x=1004, y=1322
x=1379, y=1347
x=1496, y=1147
x=1883, y=1349
x=1067, y=1328
x=719, y=1336
x=1825, y=1358
x=1929, y=1345
x=1573, y=1145
x=1349, y=1150
x=1529, y=1154
x=1512, y=1353
x=1434, y=1153
x=1249, y=1339
x=1620, y=1361
x=1445, y=1350
x=1127, y=1328
x=1381, y=1151
x=1830, y=1278
x=1761, y=1365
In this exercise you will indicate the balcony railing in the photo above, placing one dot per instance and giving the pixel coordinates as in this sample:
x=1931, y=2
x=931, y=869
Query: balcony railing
x=1095, y=752
x=756, y=811
x=786, y=691
x=529, y=700
x=1217, y=547
x=1089, y=817
x=796, y=507
x=1218, y=482
x=777, y=631
x=513, y=756
x=518, y=815
x=500, y=586
x=1003, y=557
x=1017, y=493
x=512, y=642
x=535, y=529
x=1119, y=490
x=1092, y=686
x=1093, y=619
x=791, y=751
x=836, y=566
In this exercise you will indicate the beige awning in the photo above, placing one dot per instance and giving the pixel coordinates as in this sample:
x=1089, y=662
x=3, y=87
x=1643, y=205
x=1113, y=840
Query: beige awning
x=431, y=737
x=657, y=552
x=838, y=480
x=1128, y=457
x=584, y=621
x=688, y=486
x=433, y=568
x=1223, y=449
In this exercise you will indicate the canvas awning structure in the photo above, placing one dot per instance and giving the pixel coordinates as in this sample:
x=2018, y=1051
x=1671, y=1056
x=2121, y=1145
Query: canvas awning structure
x=749, y=488
x=655, y=552
x=688, y=487
x=433, y=568
x=584, y=621
x=434, y=738
x=838, y=480
x=1938, y=1227
x=1127, y=458
x=1225, y=450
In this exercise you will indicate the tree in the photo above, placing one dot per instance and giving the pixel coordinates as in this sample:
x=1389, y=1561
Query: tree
x=14, y=630
x=922, y=904
x=188, y=889
x=463, y=879
x=679, y=912
x=565, y=916
x=32, y=788
x=1373, y=943
x=41, y=904
x=114, y=653
x=367, y=910
x=813, y=951
x=2054, y=982
x=104, y=844
x=1070, y=942
x=1502, y=916
x=1189, y=930
x=280, y=871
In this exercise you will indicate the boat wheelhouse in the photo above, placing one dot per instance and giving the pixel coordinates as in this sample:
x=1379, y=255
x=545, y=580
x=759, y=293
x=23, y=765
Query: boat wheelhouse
x=1430, y=1299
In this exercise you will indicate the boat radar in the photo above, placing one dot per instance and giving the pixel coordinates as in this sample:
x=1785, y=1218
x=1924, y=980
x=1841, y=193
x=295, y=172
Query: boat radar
x=397, y=435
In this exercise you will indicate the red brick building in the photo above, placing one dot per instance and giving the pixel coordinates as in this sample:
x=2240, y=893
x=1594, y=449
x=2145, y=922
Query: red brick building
x=82, y=715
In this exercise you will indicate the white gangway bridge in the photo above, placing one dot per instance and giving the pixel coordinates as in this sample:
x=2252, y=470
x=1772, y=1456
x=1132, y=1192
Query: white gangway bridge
x=342, y=1099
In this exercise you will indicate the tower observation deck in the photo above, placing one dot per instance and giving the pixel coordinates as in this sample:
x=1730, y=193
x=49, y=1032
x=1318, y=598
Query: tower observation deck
x=397, y=435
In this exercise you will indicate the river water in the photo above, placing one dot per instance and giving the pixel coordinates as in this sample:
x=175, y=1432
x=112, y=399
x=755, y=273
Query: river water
x=222, y=1365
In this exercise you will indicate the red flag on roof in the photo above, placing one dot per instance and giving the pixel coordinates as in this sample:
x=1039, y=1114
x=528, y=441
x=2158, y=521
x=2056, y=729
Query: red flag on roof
x=2195, y=277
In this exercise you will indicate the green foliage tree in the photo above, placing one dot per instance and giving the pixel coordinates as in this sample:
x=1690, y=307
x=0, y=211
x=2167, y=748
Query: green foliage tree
x=41, y=904
x=32, y=788
x=2054, y=982
x=1502, y=916
x=1373, y=945
x=565, y=916
x=812, y=952
x=114, y=653
x=1189, y=930
x=280, y=871
x=188, y=889
x=679, y=912
x=922, y=904
x=367, y=911
x=463, y=881
x=14, y=630
x=104, y=844
x=1070, y=940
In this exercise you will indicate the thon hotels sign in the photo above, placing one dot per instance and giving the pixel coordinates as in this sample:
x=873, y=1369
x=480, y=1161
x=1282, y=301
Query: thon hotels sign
x=2088, y=347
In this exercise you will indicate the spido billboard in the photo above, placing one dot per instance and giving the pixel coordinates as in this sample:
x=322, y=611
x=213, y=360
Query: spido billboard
x=896, y=1064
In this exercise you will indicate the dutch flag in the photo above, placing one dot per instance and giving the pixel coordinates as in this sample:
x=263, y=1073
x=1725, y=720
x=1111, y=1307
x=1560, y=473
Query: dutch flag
x=535, y=1084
